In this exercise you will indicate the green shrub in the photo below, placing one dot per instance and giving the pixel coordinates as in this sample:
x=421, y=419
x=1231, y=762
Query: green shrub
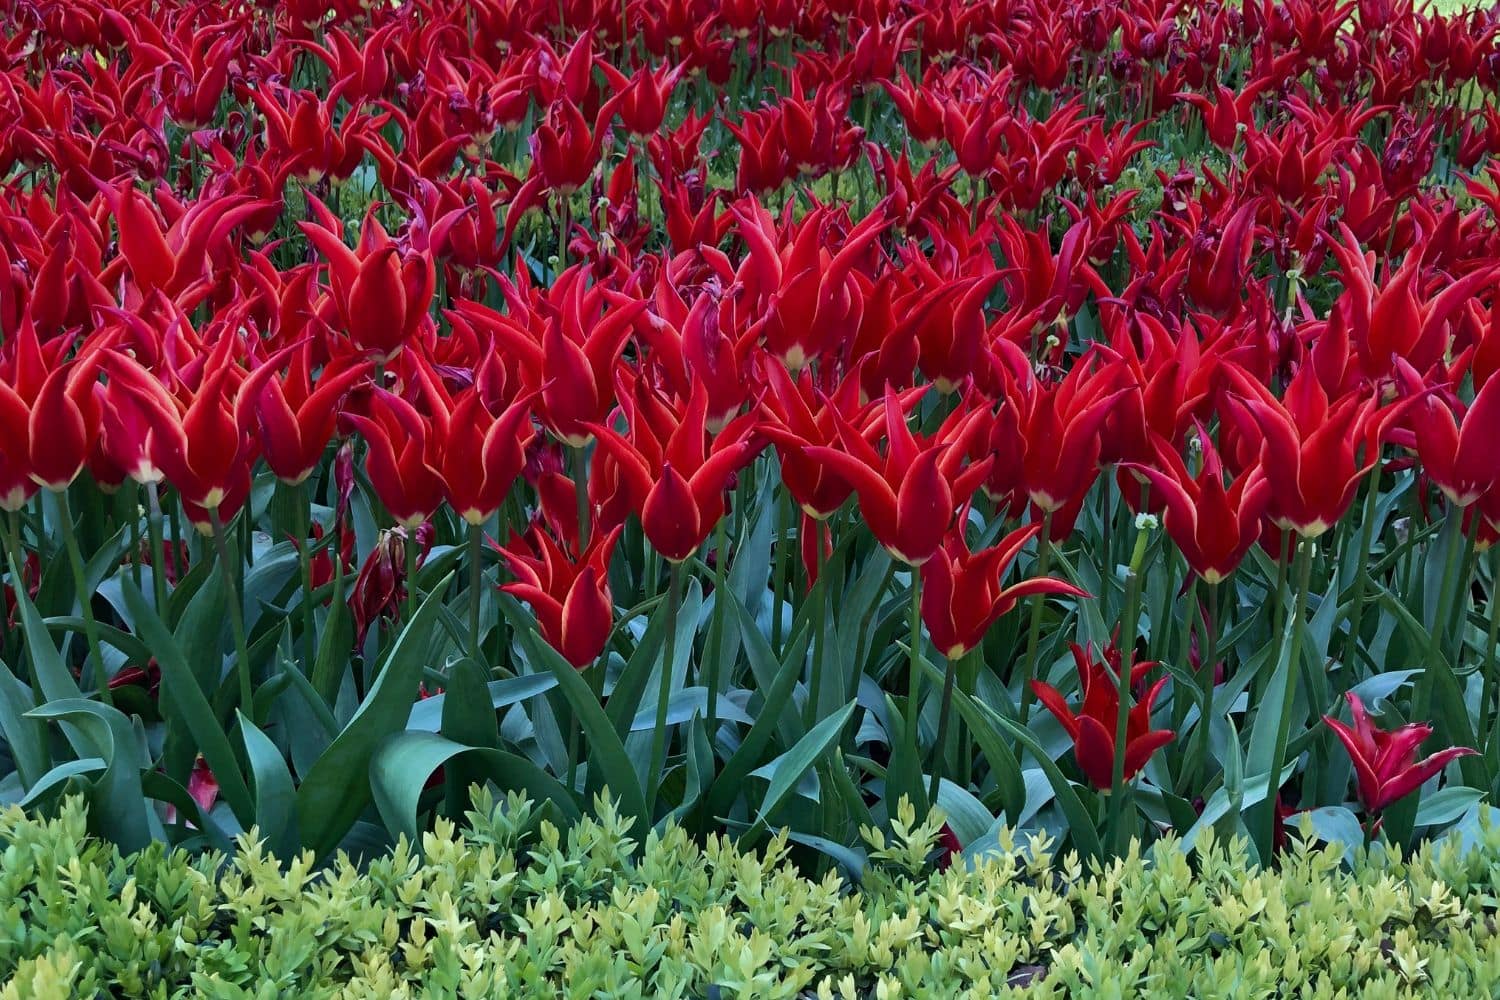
x=512, y=907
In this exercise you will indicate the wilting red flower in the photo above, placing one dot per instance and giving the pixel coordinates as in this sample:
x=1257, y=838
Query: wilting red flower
x=380, y=588
x=1092, y=727
x=570, y=598
x=1385, y=764
x=961, y=592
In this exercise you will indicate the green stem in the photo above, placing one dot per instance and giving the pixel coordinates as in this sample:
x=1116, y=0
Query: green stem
x=664, y=690
x=81, y=591
x=1128, y=622
x=716, y=658
x=302, y=502
x=411, y=574
x=236, y=613
x=158, y=562
x=476, y=580
x=1361, y=572
x=1265, y=821
x=1038, y=601
x=581, y=496
x=1205, y=689
x=914, y=693
x=940, y=745
x=819, y=591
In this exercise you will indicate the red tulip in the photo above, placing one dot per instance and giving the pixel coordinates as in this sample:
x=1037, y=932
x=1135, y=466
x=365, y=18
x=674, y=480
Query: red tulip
x=1385, y=764
x=378, y=294
x=380, y=589
x=1213, y=526
x=909, y=494
x=1308, y=447
x=675, y=474
x=961, y=592
x=293, y=418
x=570, y=598
x=402, y=456
x=1092, y=727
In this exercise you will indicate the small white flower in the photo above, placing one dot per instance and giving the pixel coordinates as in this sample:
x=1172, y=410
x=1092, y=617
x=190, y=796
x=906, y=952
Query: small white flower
x=1146, y=522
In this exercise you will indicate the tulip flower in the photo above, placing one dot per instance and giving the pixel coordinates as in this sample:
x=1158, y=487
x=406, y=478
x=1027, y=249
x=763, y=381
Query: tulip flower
x=193, y=437
x=402, y=457
x=678, y=478
x=961, y=592
x=294, y=419
x=1213, y=526
x=1385, y=765
x=909, y=494
x=1092, y=727
x=1458, y=444
x=570, y=598
x=1308, y=447
x=378, y=293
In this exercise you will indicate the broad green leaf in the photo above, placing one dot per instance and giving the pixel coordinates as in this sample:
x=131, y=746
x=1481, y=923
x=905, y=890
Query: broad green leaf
x=788, y=769
x=404, y=762
x=182, y=697
x=337, y=789
x=608, y=764
x=275, y=798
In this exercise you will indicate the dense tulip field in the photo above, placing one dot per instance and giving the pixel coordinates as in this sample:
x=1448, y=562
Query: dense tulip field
x=1079, y=416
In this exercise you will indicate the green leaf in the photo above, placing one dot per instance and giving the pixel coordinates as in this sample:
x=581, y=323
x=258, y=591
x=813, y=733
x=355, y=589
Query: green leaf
x=337, y=788
x=402, y=765
x=26, y=738
x=275, y=798
x=1446, y=805
x=787, y=770
x=608, y=763
x=183, y=698
x=1080, y=824
x=59, y=775
x=746, y=757
x=982, y=722
x=118, y=804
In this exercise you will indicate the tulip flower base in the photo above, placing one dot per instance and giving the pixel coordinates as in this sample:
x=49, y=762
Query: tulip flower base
x=794, y=422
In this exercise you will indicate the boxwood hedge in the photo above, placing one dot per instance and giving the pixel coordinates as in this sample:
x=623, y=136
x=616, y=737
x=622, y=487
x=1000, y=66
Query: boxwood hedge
x=509, y=905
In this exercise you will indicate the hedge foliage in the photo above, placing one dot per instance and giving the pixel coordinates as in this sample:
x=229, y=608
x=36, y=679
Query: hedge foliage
x=511, y=906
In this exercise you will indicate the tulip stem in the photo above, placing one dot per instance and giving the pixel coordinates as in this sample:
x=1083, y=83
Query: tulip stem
x=1264, y=816
x=411, y=574
x=818, y=591
x=716, y=655
x=236, y=614
x=1206, y=668
x=581, y=496
x=1361, y=573
x=1128, y=622
x=1038, y=601
x=154, y=535
x=475, y=581
x=302, y=502
x=664, y=689
x=914, y=695
x=939, y=761
x=81, y=590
